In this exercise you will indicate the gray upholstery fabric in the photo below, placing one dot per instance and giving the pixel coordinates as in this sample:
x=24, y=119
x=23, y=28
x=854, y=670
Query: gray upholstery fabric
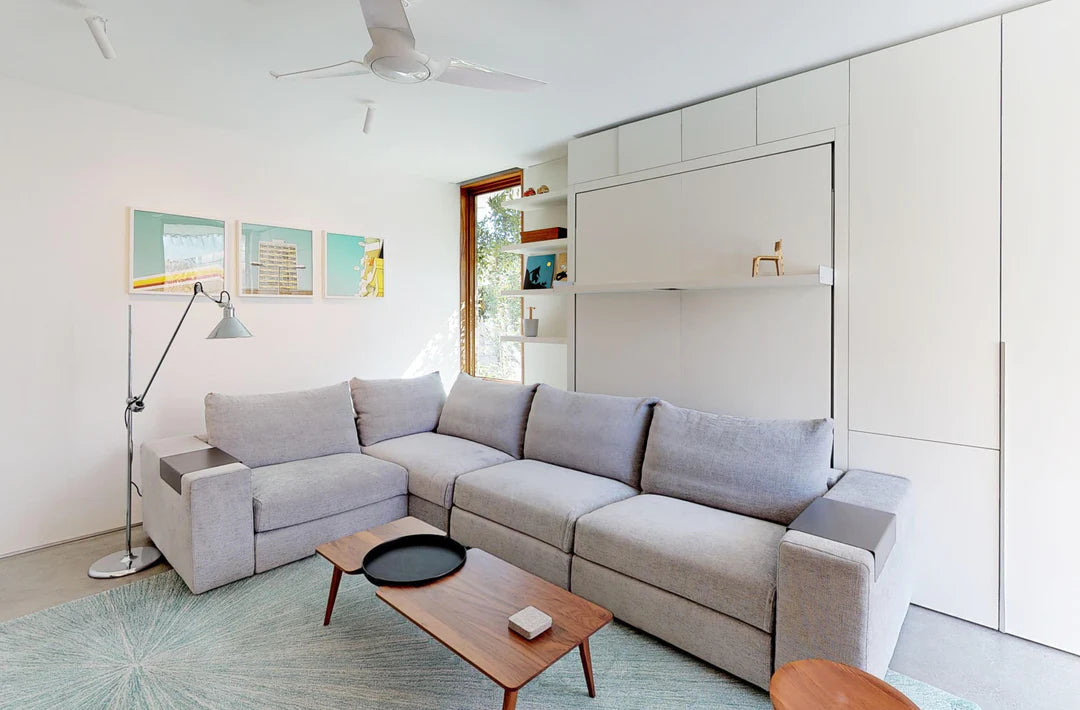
x=264, y=429
x=536, y=498
x=205, y=531
x=595, y=433
x=768, y=469
x=389, y=408
x=718, y=559
x=298, y=491
x=435, y=461
x=430, y=513
x=711, y=636
x=520, y=550
x=283, y=545
x=828, y=603
x=490, y=413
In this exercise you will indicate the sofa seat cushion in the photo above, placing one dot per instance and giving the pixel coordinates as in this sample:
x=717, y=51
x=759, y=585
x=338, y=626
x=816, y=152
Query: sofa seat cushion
x=298, y=491
x=721, y=560
x=434, y=461
x=536, y=498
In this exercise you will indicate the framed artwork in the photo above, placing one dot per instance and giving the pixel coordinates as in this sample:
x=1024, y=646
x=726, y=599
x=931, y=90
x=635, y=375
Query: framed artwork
x=274, y=261
x=353, y=266
x=561, y=270
x=539, y=271
x=168, y=253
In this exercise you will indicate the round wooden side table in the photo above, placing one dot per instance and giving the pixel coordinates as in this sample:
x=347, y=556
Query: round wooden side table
x=816, y=684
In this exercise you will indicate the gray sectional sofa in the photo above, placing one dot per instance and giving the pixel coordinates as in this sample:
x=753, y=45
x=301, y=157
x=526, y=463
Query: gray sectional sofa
x=675, y=520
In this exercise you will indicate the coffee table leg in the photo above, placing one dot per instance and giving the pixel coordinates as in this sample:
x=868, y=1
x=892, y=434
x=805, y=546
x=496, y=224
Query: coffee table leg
x=586, y=663
x=509, y=700
x=334, y=582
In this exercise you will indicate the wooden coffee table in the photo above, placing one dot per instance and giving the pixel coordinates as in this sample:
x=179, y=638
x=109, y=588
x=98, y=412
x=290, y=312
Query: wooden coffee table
x=467, y=611
x=816, y=684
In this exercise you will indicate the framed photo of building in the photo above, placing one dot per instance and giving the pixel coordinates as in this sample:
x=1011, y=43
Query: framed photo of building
x=353, y=266
x=168, y=253
x=274, y=261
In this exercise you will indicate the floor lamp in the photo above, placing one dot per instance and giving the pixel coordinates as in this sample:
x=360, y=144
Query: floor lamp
x=135, y=559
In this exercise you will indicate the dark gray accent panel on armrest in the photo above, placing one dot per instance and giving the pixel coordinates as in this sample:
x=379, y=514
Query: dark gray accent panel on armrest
x=173, y=468
x=865, y=528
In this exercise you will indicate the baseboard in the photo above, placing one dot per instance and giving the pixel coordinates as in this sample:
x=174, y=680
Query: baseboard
x=64, y=542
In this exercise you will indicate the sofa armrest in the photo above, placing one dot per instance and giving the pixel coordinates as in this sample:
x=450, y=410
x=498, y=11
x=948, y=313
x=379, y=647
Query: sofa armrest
x=206, y=531
x=828, y=603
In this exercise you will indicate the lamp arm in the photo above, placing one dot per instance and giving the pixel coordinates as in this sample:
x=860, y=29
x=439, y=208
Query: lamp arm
x=136, y=404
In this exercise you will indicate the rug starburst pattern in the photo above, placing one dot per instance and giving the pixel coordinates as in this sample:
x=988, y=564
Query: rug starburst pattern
x=259, y=643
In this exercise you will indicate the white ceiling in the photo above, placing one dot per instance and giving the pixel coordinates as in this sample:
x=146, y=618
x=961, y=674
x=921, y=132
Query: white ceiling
x=606, y=61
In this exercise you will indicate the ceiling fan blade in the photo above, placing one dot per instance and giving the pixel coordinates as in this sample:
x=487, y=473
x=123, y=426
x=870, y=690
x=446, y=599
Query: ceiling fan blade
x=388, y=15
x=465, y=73
x=349, y=68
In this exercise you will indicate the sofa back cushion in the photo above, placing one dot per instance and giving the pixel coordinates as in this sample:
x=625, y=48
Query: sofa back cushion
x=765, y=468
x=266, y=429
x=387, y=409
x=489, y=413
x=595, y=433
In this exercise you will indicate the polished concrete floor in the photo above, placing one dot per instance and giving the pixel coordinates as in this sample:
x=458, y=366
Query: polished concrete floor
x=997, y=671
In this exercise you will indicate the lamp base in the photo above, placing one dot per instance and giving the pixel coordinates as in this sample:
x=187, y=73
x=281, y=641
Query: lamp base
x=120, y=564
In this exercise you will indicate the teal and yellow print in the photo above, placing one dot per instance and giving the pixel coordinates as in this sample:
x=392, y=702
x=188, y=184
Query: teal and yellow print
x=354, y=266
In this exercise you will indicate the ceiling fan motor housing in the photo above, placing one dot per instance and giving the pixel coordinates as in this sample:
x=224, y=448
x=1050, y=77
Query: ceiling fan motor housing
x=393, y=58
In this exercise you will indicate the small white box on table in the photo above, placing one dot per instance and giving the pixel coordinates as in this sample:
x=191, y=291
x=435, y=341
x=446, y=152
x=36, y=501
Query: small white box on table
x=530, y=622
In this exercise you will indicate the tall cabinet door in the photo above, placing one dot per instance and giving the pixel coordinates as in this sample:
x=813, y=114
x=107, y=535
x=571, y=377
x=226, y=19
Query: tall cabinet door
x=1041, y=257
x=924, y=238
x=924, y=289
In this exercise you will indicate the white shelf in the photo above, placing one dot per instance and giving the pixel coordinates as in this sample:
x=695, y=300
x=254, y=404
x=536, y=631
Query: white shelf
x=548, y=199
x=523, y=339
x=823, y=277
x=548, y=246
x=556, y=291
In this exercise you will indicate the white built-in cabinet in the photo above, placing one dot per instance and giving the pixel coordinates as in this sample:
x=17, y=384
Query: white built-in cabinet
x=804, y=103
x=720, y=125
x=955, y=351
x=1041, y=312
x=752, y=352
x=924, y=298
x=650, y=143
x=592, y=157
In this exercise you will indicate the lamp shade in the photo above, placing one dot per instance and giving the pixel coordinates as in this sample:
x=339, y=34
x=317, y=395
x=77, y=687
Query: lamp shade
x=230, y=326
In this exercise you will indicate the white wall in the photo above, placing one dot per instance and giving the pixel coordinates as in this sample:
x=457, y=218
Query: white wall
x=69, y=169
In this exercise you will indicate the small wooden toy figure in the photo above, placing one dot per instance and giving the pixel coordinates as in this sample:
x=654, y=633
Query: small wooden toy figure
x=542, y=190
x=777, y=258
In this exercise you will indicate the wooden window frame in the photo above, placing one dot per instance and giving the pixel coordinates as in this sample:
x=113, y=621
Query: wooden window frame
x=467, y=303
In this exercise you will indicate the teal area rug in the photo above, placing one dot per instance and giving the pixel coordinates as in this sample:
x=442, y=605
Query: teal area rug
x=260, y=643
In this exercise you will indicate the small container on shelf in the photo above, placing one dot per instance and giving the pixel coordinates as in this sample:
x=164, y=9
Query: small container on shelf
x=530, y=326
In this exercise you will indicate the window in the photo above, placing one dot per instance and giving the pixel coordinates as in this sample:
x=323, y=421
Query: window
x=485, y=272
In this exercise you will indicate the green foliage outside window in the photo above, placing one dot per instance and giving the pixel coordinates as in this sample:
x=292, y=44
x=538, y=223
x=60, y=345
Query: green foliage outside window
x=497, y=271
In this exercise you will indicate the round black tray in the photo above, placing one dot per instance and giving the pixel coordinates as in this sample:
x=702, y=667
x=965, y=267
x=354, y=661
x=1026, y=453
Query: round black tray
x=413, y=560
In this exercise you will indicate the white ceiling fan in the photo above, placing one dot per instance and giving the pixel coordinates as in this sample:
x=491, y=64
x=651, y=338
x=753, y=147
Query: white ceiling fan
x=393, y=57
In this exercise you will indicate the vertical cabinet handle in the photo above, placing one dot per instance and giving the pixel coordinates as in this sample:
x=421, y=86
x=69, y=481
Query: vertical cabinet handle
x=1001, y=486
